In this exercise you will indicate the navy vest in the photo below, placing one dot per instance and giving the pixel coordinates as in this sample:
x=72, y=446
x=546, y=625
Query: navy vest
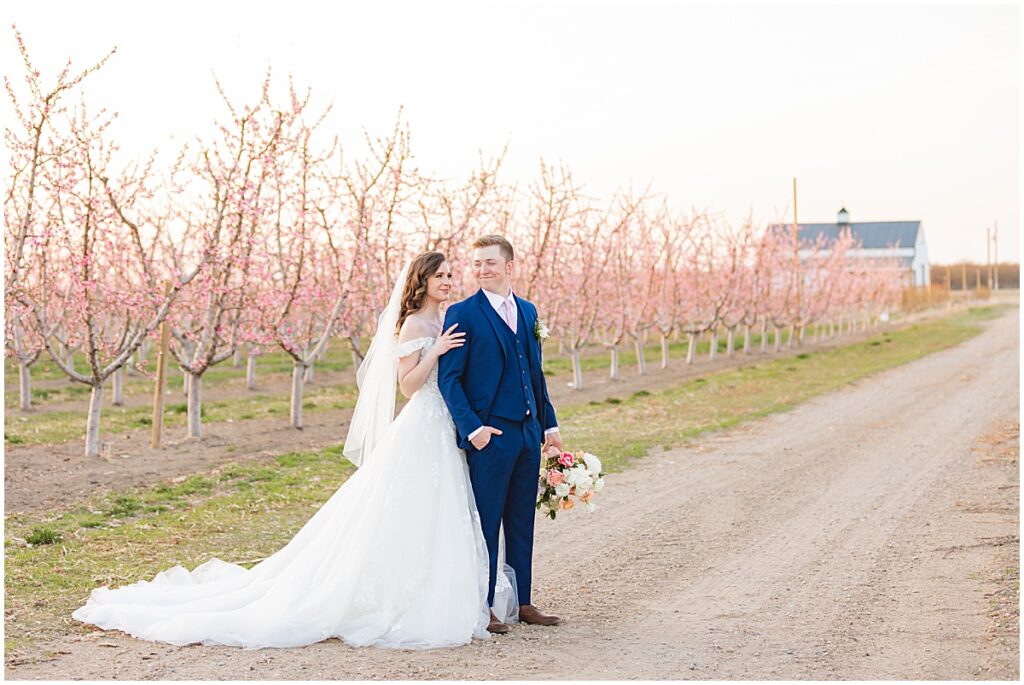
x=515, y=392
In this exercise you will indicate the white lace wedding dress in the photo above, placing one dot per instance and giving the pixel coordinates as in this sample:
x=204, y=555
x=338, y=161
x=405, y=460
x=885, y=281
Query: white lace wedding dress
x=395, y=558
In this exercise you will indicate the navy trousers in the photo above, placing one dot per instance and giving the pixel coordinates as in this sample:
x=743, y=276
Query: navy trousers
x=504, y=476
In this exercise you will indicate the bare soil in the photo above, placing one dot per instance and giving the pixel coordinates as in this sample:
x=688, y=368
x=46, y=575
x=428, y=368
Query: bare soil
x=871, y=533
x=38, y=478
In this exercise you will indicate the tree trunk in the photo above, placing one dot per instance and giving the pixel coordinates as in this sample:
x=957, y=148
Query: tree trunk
x=92, y=426
x=778, y=338
x=577, y=370
x=613, y=371
x=764, y=336
x=691, y=347
x=730, y=343
x=713, y=350
x=561, y=347
x=129, y=366
x=236, y=358
x=357, y=355
x=250, y=372
x=309, y=373
x=746, y=339
x=664, y=351
x=298, y=373
x=69, y=359
x=791, y=330
x=641, y=361
x=118, y=399
x=24, y=386
x=195, y=405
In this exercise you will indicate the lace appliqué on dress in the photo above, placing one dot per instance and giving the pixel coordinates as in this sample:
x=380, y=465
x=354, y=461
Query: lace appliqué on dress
x=410, y=346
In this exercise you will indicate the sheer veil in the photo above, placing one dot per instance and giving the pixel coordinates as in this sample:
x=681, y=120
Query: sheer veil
x=377, y=382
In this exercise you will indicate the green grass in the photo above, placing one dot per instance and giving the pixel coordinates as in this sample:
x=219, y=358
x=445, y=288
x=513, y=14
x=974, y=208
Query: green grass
x=49, y=427
x=240, y=513
x=244, y=511
x=278, y=364
x=338, y=357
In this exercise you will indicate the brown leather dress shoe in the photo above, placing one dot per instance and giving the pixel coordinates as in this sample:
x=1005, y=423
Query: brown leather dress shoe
x=532, y=615
x=496, y=626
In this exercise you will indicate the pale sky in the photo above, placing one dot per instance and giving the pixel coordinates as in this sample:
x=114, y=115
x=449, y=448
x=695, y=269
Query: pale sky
x=907, y=112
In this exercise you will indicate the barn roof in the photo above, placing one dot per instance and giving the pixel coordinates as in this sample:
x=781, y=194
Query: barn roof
x=871, y=234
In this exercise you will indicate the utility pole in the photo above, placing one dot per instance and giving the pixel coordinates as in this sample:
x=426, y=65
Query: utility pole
x=988, y=257
x=995, y=251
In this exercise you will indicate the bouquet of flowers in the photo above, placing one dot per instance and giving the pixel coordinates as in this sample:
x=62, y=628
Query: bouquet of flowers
x=567, y=478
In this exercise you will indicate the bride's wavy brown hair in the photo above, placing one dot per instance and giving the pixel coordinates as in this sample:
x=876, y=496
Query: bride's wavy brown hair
x=423, y=266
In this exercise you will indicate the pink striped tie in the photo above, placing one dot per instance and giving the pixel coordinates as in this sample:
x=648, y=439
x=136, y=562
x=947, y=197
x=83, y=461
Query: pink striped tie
x=506, y=313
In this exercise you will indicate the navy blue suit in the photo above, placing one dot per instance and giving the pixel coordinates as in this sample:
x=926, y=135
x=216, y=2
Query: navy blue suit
x=496, y=379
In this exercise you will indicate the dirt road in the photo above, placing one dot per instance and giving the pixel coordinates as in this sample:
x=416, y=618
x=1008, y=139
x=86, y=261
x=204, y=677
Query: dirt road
x=867, y=534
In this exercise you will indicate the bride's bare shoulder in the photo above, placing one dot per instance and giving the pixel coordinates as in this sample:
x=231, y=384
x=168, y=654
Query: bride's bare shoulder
x=413, y=328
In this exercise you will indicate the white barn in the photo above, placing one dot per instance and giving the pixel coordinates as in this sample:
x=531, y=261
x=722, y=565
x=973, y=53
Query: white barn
x=903, y=240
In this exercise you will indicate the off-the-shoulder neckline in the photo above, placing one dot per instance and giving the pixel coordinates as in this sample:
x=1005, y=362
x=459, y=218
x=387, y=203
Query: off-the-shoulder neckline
x=422, y=337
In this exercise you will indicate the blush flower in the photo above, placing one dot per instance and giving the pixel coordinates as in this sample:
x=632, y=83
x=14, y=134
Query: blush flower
x=555, y=477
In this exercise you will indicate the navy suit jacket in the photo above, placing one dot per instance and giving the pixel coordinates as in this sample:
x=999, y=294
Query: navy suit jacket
x=469, y=376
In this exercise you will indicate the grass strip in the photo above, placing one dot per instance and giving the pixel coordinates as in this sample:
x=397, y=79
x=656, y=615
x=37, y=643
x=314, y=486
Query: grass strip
x=50, y=427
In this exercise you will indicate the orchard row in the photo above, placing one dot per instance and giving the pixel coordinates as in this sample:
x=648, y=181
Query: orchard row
x=263, y=235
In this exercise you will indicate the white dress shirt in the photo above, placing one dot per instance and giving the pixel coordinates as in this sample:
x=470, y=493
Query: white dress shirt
x=496, y=302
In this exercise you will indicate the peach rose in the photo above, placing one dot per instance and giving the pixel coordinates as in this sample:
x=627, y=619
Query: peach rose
x=568, y=504
x=586, y=497
x=555, y=477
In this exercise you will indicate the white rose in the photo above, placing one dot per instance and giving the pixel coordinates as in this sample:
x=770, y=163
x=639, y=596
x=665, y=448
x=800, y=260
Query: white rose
x=593, y=463
x=584, y=485
x=598, y=484
x=580, y=476
x=562, y=489
x=590, y=507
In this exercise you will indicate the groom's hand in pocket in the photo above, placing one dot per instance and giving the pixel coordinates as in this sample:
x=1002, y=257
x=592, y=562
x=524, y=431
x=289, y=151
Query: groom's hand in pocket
x=483, y=438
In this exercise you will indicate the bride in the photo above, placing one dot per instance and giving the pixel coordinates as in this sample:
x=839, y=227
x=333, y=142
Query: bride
x=395, y=558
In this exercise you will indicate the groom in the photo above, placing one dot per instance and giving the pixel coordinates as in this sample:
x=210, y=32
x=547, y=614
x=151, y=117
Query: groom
x=495, y=390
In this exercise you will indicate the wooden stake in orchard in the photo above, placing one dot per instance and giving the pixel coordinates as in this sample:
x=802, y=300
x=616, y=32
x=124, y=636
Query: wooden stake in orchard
x=161, y=379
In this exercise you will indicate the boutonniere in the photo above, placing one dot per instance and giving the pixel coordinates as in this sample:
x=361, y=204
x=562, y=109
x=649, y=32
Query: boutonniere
x=540, y=330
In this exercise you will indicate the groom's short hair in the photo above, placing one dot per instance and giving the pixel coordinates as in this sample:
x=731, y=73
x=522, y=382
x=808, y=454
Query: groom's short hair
x=506, y=247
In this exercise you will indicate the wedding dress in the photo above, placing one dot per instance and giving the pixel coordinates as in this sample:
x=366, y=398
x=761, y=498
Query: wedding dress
x=395, y=558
